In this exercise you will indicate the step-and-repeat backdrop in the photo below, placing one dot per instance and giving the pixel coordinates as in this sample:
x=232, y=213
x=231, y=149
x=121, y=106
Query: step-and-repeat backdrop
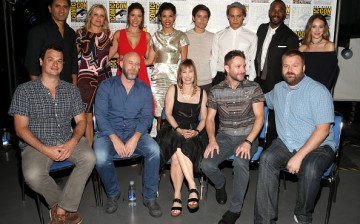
x=297, y=13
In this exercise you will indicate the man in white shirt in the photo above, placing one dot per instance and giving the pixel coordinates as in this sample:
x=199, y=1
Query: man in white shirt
x=234, y=37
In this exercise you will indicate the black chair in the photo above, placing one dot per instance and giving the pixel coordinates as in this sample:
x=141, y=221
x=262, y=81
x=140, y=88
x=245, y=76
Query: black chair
x=330, y=177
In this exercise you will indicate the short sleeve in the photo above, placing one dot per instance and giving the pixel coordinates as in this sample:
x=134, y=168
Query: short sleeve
x=20, y=103
x=211, y=102
x=184, y=40
x=78, y=106
x=258, y=95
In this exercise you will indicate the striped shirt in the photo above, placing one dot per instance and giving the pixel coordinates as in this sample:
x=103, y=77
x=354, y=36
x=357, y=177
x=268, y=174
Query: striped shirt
x=235, y=106
x=49, y=118
x=299, y=110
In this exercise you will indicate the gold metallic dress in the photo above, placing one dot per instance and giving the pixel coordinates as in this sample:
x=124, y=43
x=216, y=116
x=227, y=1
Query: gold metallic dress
x=167, y=58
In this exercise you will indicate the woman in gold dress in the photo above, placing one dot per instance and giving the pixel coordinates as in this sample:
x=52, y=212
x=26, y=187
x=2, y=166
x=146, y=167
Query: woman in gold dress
x=168, y=48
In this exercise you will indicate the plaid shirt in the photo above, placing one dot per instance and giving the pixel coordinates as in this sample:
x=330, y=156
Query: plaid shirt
x=235, y=106
x=49, y=118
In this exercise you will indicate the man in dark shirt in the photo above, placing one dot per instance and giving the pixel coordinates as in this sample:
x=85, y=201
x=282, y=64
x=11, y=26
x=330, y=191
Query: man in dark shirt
x=123, y=111
x=274, y=39
x=43, y=110
x=55, y=31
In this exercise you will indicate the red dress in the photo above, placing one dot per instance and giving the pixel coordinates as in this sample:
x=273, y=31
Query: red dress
x=125, y=47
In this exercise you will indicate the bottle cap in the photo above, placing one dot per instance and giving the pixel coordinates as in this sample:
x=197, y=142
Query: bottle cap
x=131, y=182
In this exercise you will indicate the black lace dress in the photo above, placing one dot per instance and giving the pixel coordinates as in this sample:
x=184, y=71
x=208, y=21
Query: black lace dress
x=187, y=117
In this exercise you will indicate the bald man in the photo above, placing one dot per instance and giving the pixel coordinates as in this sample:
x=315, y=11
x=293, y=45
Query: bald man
x=123, y=111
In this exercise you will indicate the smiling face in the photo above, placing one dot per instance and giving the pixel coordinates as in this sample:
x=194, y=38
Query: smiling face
x=277, y=14
x=52, y=64
x=236, y=69
x=167, y=18
x=201, y=19
x=135, y=18
x=317, y=29
x=236, y=18
x=97, y=17
x=59, y=10
x=187, y=75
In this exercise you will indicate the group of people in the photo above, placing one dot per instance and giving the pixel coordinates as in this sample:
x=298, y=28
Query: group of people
x=197, y=76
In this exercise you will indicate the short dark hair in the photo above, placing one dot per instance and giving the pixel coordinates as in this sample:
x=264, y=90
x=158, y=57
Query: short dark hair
x=52, y=1
x=278, y=1
x=166, y=6
x=294, y=52
x=51, y=47
x=236, y=5
x=199, y=7
x=232, y=54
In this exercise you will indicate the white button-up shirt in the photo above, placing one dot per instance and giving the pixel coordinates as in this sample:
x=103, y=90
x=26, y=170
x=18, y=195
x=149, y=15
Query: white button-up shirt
x=227, y=40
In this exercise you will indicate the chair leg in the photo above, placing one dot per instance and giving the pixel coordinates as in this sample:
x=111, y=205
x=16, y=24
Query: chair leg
x=38, y=205
x=283, y=175
x=23, y=189
x=337, y=181
x=141, y=166
x=95, y=187
x=330, y=199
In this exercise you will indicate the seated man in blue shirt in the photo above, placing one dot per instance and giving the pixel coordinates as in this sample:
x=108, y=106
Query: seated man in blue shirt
x=123, y=111
x=304, y=113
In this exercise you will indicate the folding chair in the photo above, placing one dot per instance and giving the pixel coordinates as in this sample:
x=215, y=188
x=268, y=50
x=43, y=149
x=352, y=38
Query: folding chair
x=330, y=177
x=55, y=168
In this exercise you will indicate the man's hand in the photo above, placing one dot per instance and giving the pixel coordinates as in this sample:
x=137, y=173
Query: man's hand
x=294, y=164
x=131, y=145
x=66, y=149
x=119, y=146
x=243, y=150
x=210, y=149
x=53, y=152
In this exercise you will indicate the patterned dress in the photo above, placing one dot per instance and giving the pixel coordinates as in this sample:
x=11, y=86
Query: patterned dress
x=94, y=66
x=167, y=59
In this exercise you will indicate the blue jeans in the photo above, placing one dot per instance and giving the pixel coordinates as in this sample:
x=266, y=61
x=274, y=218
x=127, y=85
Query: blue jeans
x=275, y=159
x=147, y=147
x=210, y=166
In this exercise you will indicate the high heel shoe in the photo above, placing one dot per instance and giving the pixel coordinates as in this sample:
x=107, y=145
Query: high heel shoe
x=176, y=208
x=190, y=201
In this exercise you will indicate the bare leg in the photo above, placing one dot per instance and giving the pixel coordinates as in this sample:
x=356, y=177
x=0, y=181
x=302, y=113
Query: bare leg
x=89, y=131
x=177, y=178
x=187, y=169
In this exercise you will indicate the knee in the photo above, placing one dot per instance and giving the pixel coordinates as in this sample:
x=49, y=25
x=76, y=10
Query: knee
x=207, y=166
x=153, y=152
x=266, y=158
x=241, y=164
x=89, y=158
x=175, y=161
x=33, y=177
x=310, y=171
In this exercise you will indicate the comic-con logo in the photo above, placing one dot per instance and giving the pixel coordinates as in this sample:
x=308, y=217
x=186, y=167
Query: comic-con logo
x=78, y=11
x=118, y=12
x=300, y=34
x=323, y=10
x=153, y=9
x=113, y=63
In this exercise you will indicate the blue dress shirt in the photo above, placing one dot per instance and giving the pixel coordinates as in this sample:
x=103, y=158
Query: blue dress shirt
x=299, y=110
x=122, y=113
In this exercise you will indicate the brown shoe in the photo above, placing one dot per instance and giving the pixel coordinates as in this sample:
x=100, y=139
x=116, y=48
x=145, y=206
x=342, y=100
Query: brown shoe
x=73, y=217
x=58, y=219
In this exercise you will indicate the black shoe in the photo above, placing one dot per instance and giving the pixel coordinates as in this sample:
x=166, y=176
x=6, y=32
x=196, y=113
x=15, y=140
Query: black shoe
x=229, y=217
x=112, y=204
x=221, y=196
x=154, y=207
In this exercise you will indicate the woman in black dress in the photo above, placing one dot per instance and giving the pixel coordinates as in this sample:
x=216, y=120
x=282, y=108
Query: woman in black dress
x=179, y=138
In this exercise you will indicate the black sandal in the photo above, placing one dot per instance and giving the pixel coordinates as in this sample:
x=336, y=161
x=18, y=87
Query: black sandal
x=176, y=208
x=193, y=206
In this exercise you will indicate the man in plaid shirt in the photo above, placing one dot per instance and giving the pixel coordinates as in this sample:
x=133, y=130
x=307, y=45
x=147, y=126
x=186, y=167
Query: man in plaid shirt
x=43, y=110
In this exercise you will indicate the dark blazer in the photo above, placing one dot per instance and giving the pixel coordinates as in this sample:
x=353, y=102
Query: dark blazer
x=283, y=40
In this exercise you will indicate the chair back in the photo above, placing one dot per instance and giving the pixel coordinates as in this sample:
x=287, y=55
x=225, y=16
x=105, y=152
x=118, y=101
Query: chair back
x=61, y=165
x=338, y=124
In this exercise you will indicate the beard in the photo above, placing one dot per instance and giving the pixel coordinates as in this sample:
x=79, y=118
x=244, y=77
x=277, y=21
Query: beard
x=294, y=79
x=130, y=75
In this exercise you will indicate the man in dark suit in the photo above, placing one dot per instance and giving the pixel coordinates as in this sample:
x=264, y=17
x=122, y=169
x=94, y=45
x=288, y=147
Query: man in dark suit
x=274, y=39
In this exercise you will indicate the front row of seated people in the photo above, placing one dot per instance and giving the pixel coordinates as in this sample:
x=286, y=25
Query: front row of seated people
x=43, y=109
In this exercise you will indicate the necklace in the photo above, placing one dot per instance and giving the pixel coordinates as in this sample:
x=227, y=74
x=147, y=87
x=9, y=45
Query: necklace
x=187, y=96
x=317, y=42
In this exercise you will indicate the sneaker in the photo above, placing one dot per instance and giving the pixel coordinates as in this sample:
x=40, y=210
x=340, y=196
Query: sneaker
x=154, y=207
x=229, y=217
x=112, y=204
x=221, y=196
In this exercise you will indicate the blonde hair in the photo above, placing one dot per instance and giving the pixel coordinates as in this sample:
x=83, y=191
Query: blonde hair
x=325, y=35
x=106, y=21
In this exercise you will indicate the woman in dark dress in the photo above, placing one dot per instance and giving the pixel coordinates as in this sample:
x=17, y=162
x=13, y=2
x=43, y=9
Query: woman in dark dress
x=321, y=62
x=179, y=138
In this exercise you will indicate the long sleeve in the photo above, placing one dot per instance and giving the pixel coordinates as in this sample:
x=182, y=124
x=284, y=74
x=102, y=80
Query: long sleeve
x=252, y=56
x=214, y=55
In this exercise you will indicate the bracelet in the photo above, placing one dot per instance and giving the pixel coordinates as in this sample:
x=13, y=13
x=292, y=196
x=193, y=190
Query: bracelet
x=176, y=128
x=197, y=131
x=248, y=141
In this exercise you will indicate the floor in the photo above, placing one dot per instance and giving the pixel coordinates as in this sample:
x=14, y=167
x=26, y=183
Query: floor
x=345, y=210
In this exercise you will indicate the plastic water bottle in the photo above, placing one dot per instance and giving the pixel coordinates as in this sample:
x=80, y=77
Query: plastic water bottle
x=5, y=140
x=132, y=194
